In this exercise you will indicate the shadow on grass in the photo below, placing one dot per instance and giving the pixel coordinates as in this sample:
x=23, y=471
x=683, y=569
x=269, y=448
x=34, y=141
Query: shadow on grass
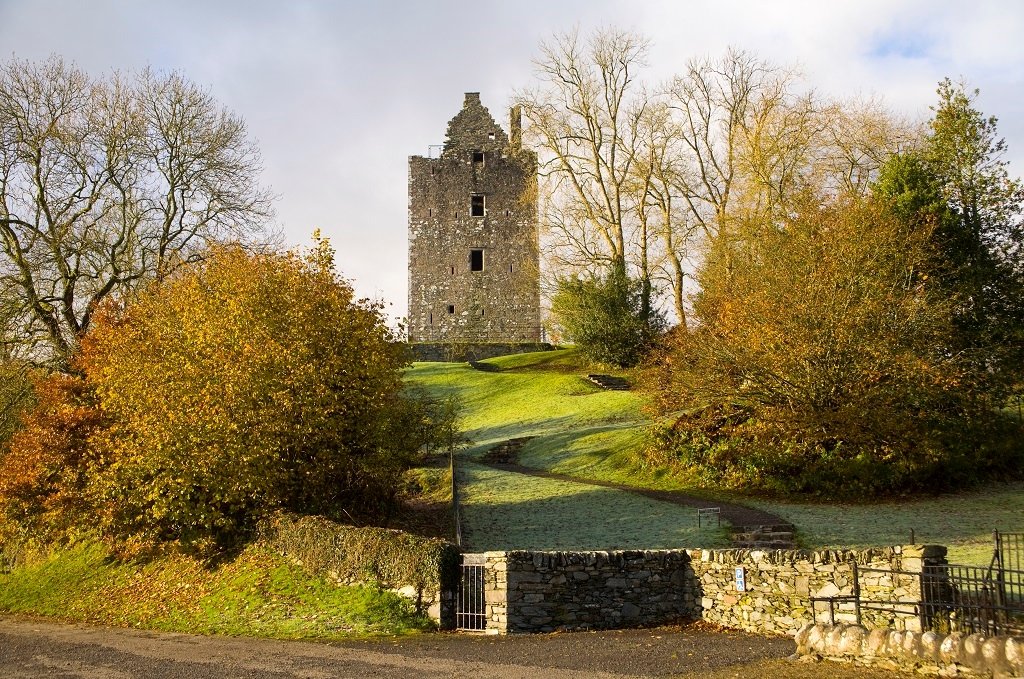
x=505, y=510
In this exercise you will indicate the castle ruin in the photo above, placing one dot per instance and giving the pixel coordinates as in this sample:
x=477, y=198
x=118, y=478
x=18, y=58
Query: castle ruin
x=473, y=239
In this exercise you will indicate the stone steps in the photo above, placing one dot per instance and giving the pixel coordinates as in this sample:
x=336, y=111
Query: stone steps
x=610, y=382
x=763, y=537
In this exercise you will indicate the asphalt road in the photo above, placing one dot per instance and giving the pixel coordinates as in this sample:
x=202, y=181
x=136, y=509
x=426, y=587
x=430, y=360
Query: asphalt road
x=31, y=648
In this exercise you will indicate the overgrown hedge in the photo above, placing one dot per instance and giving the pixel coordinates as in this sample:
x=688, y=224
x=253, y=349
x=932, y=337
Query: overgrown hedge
x=389, y=558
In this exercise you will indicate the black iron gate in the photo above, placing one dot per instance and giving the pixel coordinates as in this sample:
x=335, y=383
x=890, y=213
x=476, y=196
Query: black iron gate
x=470, y=604
x=953, y=597
x=1008, y=567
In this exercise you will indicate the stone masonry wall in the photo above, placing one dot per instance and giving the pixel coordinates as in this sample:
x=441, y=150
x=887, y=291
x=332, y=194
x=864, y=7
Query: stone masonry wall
x=474, y=260
x=547, y=591
x=780, y=583
x=459, y=352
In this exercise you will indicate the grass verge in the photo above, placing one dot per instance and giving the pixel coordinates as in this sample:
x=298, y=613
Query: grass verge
x=257, y=594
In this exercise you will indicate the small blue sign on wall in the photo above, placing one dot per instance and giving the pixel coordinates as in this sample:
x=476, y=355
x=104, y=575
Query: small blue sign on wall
x=741, y=580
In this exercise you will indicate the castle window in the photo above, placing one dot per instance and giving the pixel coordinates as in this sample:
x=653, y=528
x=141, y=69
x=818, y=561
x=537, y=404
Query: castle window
x=430, y=318
x=478, y=156
x=453, y=270
x=476, y=205
x=476, y=260
x=490, y=135
x=510, y=268
x=451, y=308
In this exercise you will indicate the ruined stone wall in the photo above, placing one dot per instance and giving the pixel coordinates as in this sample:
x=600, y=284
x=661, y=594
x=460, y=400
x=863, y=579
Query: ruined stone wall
x=474, y=277
x=547, y=591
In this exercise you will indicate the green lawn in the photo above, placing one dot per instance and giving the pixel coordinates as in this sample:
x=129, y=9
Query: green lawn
x=504, y=510
x=583, y=431
x=580, y=429
x=964, y=522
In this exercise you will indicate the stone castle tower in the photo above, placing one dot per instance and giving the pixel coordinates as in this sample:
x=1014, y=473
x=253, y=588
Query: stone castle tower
x=473, y=239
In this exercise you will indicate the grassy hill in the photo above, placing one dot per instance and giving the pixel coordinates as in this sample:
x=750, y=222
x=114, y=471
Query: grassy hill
x=586, y=432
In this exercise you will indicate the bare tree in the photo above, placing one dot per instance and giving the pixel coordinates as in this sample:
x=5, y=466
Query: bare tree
x=753, y=141
x=738, y=119
x=583, y=119
x=105, y=183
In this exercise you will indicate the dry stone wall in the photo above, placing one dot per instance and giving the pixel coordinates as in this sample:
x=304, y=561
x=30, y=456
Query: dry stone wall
x=470, y=351
x=779, y=585
x=548, y=591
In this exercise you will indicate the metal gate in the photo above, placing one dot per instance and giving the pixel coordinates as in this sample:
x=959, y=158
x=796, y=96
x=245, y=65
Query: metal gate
x=953, y=597
x=1008, y=567
x=470, y=611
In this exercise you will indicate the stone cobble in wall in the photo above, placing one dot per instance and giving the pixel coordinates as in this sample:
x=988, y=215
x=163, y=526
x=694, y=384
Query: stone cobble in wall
x=928, y=652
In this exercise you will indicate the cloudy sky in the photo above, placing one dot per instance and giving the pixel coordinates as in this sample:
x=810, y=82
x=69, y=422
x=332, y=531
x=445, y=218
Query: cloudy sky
x=339, y=94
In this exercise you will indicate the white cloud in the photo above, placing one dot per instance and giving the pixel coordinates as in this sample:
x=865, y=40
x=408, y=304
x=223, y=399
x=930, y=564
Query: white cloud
x=339, y=94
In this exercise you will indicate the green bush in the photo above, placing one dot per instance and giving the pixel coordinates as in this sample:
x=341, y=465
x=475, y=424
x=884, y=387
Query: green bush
x=739, y=450
x=237, y=386
x=607, y=317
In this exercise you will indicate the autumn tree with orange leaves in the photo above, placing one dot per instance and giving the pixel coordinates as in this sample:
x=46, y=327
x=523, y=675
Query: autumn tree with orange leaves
x=238, y=385
x=821, y=362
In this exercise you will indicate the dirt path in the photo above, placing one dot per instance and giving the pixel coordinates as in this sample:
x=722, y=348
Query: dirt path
x=30, y=648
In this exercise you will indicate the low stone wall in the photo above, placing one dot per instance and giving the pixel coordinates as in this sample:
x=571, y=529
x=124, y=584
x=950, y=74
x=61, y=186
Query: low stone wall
x=458, y=352
x=779, y=584
x=1000, y=656
x=547, y=591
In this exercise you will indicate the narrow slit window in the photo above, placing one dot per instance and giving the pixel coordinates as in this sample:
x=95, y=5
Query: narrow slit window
x=430, y=212
x=476, y=259
x=430, y=318
x=476, y=205
x=508, y=213
x=478, y=157
x=510, y=268
x=453, y=270
x=451, y=308
x=481, y=311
